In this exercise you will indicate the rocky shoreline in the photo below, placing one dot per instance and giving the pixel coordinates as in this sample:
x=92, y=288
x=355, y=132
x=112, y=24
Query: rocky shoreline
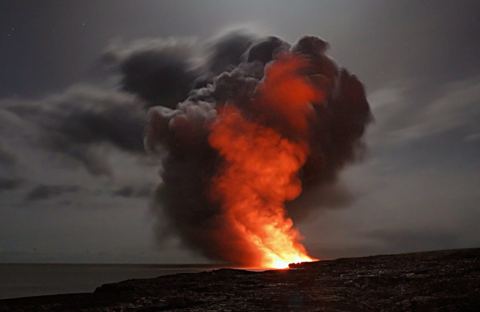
x=427, y=281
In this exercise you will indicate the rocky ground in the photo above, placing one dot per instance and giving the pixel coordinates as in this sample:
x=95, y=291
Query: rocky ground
x=428, y=281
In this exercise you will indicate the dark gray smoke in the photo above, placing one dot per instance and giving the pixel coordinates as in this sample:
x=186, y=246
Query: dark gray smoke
x=161, y=72
x=233, y=68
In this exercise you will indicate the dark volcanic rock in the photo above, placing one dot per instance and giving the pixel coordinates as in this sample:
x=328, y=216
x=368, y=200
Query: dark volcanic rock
x=428, y=281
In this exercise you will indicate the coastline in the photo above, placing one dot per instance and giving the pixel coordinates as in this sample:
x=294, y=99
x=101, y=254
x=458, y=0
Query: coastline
x=446, y=280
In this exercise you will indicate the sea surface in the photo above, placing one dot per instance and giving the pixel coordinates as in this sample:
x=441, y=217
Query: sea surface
x=23, y=280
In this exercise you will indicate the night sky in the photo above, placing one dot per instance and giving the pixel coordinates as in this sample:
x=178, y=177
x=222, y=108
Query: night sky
x=76, y=184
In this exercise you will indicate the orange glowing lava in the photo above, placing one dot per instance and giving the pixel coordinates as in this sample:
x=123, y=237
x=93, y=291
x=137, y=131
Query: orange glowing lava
x=260, y=165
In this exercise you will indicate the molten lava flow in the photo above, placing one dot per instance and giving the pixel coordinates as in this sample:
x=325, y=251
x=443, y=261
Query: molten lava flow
x=261, y=160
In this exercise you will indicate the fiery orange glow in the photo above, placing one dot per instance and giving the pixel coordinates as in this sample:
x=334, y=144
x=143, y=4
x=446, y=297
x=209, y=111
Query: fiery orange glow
x=260, y=165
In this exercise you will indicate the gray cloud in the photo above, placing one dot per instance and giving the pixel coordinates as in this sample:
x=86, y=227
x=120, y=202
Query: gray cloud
x=43, y=192
x=129, y=191
x=457, y=107
x=408, y=239
x=77, y=122
x=449, y=115
x=8, y=184
x=6, y=157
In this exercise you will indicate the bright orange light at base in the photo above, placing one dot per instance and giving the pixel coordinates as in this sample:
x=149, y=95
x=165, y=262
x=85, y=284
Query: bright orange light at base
x=282, y=264
x=260, y=170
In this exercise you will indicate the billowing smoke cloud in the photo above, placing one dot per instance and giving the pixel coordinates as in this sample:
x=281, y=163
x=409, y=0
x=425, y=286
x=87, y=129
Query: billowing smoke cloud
x=234, y=76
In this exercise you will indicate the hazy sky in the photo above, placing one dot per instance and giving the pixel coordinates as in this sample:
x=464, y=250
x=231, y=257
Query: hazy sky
x=73, y=187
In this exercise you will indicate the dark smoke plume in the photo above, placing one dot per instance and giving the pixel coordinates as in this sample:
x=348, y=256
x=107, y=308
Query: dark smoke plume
x=233, y=71
x=160, y=72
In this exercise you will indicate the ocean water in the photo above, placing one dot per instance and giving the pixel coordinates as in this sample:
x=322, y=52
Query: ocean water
x=23, y=280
